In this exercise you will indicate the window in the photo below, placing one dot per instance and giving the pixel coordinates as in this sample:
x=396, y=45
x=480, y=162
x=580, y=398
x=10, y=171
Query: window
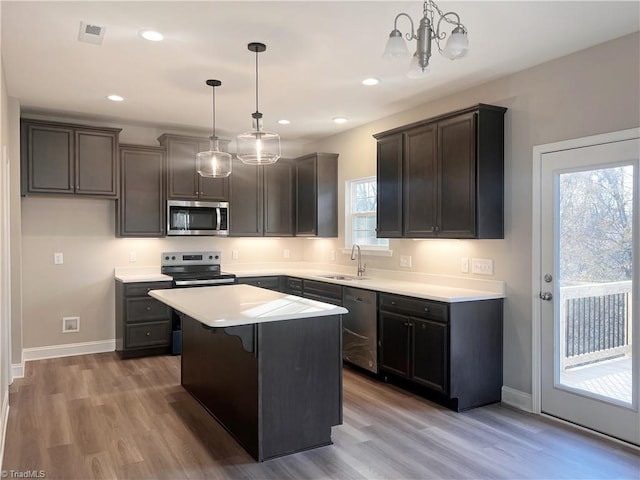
x=361, y=206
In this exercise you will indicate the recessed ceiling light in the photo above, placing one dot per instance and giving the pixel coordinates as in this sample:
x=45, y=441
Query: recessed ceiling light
x=115, y=98
x=152, y=35
x=284, y=122
x=370, y=81
x=340, y=119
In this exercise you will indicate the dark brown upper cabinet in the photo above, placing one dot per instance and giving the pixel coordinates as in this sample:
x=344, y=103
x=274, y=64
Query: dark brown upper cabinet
x=443, y=177
x=183, y=180
x=142, y=206
x=69, y=159
x=261, y=199
x=317, y=195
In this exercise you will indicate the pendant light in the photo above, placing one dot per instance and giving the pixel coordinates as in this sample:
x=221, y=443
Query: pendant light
x=258, y=147
x=213, y=163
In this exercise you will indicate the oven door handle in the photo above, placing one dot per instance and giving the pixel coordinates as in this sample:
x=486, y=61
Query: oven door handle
x=214, y=281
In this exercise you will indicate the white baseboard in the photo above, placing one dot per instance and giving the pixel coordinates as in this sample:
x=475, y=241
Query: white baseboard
x=68, y=350
x=517, y=399
x=17, y=371
x=4, y=420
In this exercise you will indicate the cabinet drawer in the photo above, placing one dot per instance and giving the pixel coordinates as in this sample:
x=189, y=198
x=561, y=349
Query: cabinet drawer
x=145, y=309
x=294, y=285
x=148, y=335
x=322, y=291
x=271, y=283
x=142, y=289
x=414, y=306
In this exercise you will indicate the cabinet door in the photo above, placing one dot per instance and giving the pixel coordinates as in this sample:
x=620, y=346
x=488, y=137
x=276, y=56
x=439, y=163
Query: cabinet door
x=394, y=338
x=245, y=203
x=457, y=178
x=430, y=348
x=278, y=199
x=96, y=156
x=214, y=189
x=142, y=207
x=49, y=158
x=389, y=180
x=306, y=196
x=183, y=178
x=420, y=181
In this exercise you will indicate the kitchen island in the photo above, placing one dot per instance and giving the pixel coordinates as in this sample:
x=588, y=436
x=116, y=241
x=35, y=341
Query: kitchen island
x=266, y=365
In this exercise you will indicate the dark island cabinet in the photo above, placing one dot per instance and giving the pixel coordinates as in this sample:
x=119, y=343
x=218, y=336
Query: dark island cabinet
x=261, y=199
x=270, y=282
x=143, y=324
x=317, y=195
x=141, y=208
x=183, y=180
x=451, y=351
x=69, y=159
x=451, y=180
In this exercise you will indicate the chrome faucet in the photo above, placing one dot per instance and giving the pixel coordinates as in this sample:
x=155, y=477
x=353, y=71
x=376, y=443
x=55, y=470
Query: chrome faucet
x=361, y=267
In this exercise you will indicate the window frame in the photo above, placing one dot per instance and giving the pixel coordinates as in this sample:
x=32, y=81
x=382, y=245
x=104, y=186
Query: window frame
x=380, y=250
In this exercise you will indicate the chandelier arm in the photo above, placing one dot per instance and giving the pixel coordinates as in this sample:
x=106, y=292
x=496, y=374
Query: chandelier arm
x=412, y=35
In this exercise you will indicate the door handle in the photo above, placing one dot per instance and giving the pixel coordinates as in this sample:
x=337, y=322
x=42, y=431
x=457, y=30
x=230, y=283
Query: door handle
x=548, y=296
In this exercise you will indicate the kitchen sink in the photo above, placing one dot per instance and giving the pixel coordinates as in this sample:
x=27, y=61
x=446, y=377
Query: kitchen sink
x=336, y=276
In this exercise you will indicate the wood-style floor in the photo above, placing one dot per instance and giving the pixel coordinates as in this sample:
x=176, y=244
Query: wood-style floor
x=96, y=416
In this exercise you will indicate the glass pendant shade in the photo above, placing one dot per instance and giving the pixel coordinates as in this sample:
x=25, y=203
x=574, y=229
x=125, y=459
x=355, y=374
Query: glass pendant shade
x=258, y=147
x=396, y=46
x=415, y=71
x=213, y=163
x=457, y=44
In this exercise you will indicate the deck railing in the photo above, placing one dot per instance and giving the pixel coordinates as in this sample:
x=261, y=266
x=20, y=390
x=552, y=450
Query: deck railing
x=596, y=322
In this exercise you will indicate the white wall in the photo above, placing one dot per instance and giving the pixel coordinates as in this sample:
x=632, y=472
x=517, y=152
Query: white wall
x=586, y=93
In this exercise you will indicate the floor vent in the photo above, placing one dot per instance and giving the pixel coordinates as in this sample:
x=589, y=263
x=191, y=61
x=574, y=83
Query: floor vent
x=91, y=33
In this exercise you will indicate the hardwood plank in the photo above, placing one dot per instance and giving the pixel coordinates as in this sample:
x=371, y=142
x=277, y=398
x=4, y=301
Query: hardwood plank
x=97, y=416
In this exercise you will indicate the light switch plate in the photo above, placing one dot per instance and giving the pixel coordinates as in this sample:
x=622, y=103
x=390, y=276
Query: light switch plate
x=482, y=266
x=132, y=257
x=286, y=253
x=58, y=258
x=464, y=265
x=234, y=254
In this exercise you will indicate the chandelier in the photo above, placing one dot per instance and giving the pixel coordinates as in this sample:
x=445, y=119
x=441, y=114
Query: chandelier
x=457, y=44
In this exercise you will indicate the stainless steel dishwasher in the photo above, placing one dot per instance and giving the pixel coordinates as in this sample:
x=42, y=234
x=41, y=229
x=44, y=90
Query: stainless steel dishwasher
x=360, y=328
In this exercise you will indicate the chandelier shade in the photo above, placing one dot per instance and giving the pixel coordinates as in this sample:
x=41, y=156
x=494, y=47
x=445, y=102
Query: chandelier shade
x=258, y=147
x=214, y=162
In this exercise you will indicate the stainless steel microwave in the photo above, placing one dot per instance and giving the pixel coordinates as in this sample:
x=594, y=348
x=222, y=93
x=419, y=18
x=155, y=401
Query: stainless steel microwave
x=197, y=218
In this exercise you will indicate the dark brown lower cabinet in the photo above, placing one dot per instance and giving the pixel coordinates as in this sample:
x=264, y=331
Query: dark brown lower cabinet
x=143, y=324
x=453, y=351
x=269, y=282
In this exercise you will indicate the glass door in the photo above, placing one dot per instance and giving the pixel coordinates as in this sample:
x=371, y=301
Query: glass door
x=589, y=289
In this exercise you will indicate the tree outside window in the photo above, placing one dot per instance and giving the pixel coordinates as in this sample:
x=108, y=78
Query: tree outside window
x=361, y=207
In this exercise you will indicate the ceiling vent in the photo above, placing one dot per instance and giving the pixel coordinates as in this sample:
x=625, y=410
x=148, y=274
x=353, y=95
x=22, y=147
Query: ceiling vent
x=91, y=33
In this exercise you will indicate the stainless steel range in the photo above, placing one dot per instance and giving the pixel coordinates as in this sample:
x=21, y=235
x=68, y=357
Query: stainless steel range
x=192, y=269
x=195, y=269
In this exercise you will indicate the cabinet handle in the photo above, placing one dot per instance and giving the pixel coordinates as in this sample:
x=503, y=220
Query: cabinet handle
x=148, y=334
x=406, y=324
x=148, y=309
x=426, y=309
x=393, y=303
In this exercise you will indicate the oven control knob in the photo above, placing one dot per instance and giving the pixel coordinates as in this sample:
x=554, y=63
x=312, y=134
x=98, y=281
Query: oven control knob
x=217, y=257
x=173, y=257
x=166, y=258
x=211, y=257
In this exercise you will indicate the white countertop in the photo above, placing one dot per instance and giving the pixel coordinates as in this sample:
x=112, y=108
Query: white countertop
x=235, y=305
x=140, y=274
x=427, y=291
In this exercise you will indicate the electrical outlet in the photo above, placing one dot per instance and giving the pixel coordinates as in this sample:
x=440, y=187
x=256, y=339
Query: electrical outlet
x=234, y=254
x=464, y=265
x=132, y=257
x=405, y=261
x=286, y=253
x=70, y=324
x=482, y=266
x=58, y=258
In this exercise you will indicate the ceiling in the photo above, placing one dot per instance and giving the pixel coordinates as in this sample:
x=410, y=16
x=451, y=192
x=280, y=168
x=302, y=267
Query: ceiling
x=317, y=55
